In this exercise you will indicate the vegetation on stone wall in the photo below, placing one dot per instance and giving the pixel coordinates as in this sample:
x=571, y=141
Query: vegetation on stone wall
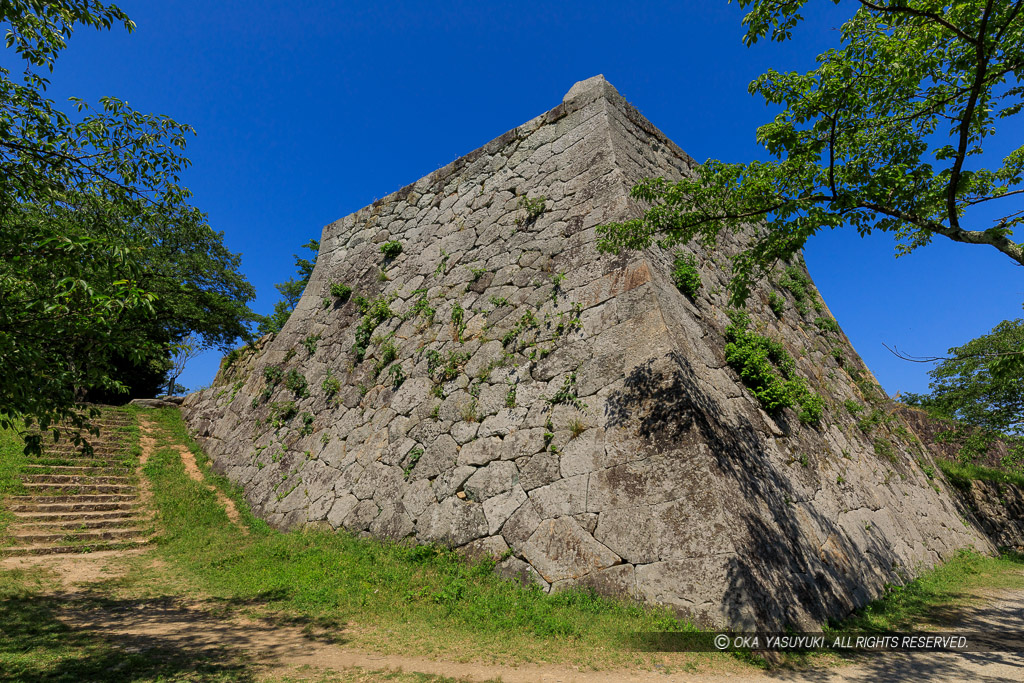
x=685, y=274
x=391, y=249
x=769, y=371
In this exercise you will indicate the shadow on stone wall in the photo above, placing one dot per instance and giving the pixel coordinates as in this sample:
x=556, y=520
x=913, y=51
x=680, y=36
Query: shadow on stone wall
x=777, y=575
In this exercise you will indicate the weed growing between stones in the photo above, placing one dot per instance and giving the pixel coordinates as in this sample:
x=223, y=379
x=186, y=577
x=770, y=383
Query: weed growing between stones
x=510, y=395
x=526, y=322
x=397, y=375
x=414, y=457
x=330, y=386
x=421, y=307
x=852, y=407
x=445, y=368
x=884, y=448
x=307, y=424
x=310, y=343
x=281, y=412
x=273, y=375
x=391, y=249
x=685, y=274
x=341, y=292
x=827, y=324
x=442, y=266
x=533, y=208
x=388, y=355
x=374, y=313
x=296, y=382
x=873, y=419
x=777, y=304
x=230, y=359
x=567, y=393
x=802, y=290
x=458, y=322
x=769, y=372
x=556, y=286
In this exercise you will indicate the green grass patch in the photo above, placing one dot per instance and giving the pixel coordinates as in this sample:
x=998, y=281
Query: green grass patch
x=12, y=460
x=934, y=597
x=426, y=598
x=37, y=646
x=960, y=474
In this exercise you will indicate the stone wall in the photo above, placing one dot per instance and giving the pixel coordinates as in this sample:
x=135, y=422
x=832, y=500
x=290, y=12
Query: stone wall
x=998, y=507
x=502, y=387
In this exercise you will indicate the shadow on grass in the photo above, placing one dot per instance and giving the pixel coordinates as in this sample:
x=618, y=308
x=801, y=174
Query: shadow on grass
x=101, y=639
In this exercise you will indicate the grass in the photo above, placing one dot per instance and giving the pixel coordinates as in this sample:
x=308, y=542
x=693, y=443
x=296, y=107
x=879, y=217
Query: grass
x=12, y=460
x=373, y=595
x=398, y=598
x=960, y=473
x=933, y=597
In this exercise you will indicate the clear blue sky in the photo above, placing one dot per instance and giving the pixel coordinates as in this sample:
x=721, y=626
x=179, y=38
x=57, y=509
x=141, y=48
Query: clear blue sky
x=307, y=111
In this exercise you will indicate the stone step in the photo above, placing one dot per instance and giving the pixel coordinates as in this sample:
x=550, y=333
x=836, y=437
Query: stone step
x=24, y=525
x=48, y=489
x=77, y=515
x=22, y=551
x=62, y=448
x=36, y=469
x=76, y=479
x=74, y=537
x=99, y=503
x=81, y=462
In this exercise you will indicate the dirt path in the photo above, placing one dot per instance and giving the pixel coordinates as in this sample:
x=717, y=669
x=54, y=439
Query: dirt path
x=188, y=459
x=206, y=631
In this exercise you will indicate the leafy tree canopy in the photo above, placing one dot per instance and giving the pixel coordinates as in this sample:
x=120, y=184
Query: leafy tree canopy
x=981, y=386
x=291, y=291
x=102, y=258
x=883, y=135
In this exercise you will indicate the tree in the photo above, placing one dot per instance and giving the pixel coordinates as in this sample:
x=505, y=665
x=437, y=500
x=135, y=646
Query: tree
x=184, y=351
x=884, y=135
x=103, y=261
x=291, y=290
x=981, y=388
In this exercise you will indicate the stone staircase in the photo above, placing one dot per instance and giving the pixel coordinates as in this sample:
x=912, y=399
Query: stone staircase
x=74, y=502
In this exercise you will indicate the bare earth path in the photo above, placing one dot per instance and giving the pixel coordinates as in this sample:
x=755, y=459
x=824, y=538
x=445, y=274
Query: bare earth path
x=271, y=651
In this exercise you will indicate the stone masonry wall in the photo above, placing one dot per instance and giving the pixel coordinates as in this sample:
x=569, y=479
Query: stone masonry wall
x=572, y=413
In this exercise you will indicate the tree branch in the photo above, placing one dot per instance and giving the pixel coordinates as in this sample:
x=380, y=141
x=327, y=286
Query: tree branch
x=957, y=234
x=965, y=125
x=937, y=18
